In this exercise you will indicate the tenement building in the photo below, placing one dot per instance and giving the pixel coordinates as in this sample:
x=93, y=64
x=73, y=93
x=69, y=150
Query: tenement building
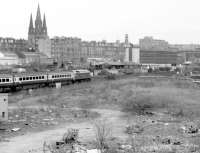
x=64, y=49
x=11, y=44
x=75, y=50
x=103, y=49
x=37, y=31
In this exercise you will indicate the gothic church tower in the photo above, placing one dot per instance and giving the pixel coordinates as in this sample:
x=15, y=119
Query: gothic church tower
x=37, y=32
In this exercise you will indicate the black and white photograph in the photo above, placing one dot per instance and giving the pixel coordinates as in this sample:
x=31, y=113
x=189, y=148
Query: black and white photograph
x=100, y=76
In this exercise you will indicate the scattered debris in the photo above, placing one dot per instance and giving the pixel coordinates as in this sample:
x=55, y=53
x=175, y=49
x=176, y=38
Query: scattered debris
x=166, y=141
x=166, y=124
x=59, y=144
x=191, y=129
x=148, y=113
x=15, y=129
x=177, y=143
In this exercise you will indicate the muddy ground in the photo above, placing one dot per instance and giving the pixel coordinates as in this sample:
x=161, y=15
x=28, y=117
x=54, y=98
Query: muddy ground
x=161, y=108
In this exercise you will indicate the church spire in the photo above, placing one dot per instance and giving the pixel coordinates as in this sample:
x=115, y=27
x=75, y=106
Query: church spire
x=31, y=28
x=44, y=25
x=38, y=22
x=38, y=17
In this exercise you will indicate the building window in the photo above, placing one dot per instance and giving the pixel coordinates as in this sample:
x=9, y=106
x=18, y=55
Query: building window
x=3, y=114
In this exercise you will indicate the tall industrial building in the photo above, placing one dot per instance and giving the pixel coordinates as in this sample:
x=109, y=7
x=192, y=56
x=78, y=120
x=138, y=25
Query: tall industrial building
x=37, y=31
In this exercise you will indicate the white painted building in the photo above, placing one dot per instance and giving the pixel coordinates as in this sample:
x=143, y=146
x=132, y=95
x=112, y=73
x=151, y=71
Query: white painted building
x=132, y=54
x=127, y=54
x=9, y=58
x=3, y=107
x=135, y=55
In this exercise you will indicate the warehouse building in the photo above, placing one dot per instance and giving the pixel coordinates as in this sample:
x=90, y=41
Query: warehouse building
x=158, y=57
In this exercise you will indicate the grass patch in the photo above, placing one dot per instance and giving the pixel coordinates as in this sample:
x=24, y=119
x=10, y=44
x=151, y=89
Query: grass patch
x=180, y=99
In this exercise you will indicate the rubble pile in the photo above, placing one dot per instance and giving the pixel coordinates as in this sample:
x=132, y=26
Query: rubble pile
x=70, y=144
x=26, y=119
x=190, y=129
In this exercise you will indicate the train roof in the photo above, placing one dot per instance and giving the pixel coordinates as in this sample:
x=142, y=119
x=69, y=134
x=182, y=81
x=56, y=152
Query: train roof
x=30, y=74
x=59, y=72
x=6, y=75
x=81, y=70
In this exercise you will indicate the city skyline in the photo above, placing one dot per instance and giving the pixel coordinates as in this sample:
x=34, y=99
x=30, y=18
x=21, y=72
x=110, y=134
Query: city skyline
x=175, y=21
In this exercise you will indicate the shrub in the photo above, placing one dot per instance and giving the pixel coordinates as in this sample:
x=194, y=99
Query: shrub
x=138, y=104
x=110, y=76
x=102, y=134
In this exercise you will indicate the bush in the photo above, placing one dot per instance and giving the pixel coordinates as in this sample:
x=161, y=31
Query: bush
x=102, y=134
x=138, y=104
x=71, y=136
x=141, y=102
x=110, y=76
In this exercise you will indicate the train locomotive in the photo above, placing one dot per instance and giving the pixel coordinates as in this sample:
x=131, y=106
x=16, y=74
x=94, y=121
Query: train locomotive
x=40, y=79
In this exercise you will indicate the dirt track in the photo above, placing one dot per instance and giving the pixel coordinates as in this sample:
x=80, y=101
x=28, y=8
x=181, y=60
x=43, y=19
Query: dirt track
x=32, y=142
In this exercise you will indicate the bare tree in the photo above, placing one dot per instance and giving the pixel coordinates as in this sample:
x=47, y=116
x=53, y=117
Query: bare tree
x=102, y=134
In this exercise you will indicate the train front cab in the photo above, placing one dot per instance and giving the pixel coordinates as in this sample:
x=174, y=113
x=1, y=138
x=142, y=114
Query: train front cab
x=81, y=75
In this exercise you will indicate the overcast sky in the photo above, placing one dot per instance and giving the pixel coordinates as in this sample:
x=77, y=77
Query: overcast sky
x=177, y=21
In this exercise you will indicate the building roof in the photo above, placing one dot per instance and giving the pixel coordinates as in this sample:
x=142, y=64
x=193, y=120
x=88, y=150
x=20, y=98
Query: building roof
x=20, y=54
x=8, y=54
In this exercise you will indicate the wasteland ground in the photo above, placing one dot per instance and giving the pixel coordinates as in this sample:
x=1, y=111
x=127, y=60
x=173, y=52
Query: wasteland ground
x=160, y=106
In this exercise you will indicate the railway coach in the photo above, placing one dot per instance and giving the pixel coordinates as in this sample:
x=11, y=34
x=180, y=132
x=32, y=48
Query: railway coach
x=64, y=77
x=195, y=78
x=30, y=80
x=6, y=81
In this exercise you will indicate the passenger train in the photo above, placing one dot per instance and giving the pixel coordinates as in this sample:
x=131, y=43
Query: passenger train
x=39, y=79
x=195, y=78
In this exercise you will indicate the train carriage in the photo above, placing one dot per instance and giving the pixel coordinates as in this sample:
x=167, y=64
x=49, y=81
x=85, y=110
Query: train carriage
x=6, y=81
x=30, y=79
x=195, y=78
x=65, y=77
